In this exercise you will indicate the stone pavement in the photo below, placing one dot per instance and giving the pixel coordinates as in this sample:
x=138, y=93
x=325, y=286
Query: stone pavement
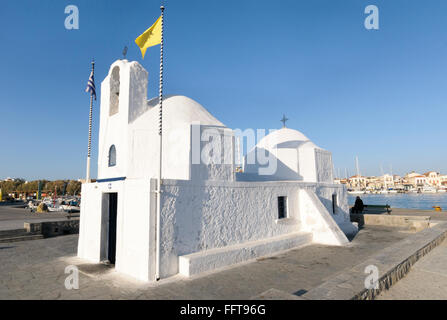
x=426, y=280
x=35, y=270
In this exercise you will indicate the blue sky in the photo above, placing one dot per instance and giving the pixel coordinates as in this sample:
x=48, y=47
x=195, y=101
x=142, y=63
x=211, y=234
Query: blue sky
x=379, y=94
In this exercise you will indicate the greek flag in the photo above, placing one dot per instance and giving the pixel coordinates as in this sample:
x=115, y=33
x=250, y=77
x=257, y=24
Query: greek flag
x=91, y=85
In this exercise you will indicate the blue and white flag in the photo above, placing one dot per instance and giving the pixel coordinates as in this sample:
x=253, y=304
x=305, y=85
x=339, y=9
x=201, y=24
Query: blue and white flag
x=91, y=85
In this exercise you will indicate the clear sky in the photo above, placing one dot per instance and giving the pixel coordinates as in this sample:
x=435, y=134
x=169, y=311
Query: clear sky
x=379, y=94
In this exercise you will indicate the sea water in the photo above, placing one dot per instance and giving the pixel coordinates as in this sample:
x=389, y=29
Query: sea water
x=424, y=201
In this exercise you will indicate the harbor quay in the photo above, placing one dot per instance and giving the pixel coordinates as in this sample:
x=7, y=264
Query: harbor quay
x=43, y=268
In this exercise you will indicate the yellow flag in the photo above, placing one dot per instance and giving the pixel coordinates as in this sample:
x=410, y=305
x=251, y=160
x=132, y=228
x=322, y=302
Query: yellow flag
x=150, y=37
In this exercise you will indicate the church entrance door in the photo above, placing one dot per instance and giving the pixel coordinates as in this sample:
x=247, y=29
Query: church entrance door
x=113, y=209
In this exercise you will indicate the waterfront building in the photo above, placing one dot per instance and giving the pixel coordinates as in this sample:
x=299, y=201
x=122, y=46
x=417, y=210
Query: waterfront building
x=357, y=181
x=415, y=179
x=373, y=183
x=398, y=179
x=433, y=178
x=203, y=214
x=387, y=181
x=341, y=181
x=443, y=180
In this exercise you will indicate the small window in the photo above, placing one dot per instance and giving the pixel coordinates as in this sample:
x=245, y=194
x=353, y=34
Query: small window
x=112, y=156
x=282, y=207
x=334, y=203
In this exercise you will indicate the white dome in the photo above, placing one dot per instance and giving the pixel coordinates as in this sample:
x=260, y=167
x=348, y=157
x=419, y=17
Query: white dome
x=181, y=109
x=285, y=138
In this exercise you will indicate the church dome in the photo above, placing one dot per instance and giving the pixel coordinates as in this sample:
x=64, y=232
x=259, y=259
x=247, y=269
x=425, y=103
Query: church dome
x=287, y=154
x=178, y=109
x=285, y=138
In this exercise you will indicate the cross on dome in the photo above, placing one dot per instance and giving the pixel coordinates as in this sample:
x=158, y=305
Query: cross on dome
x=283, y=120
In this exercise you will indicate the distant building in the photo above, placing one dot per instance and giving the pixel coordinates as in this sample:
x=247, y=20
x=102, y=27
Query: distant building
x=433, y=178
x=357, y=181
x=415, y=179
x=373, y=183
x=387, y=180
x=398, y=179
x=408, y=182
x=341, y=181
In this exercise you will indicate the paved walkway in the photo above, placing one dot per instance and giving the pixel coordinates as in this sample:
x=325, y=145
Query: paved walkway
x=35, y=270
x=434, y=215
x=426, y=280
x=12, y=217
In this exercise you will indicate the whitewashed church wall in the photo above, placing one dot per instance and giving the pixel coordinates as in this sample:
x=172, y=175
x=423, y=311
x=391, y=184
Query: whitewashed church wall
x=319, y=221
x=283, y=162
x=93, y=233
x=288, y=164
x=198, y=217
x=117, y=138
x=103, y=115
x=144, y=144
x=89, y=242
x=341, y=208
x=296, y=164
x=135, y=235
x=323, y=164
x=135, y=238
x=132, y=87
x=307, y=168
x=212, y=153
x=113, y=128
x=137, y=91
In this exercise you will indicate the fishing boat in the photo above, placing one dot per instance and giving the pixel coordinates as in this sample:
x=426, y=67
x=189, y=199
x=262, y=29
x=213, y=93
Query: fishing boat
x=70, y=206
x=356, y=192
x=54, y=206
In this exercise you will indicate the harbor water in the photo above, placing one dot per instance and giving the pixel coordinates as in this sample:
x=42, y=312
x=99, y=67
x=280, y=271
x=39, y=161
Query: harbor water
x=424, y=201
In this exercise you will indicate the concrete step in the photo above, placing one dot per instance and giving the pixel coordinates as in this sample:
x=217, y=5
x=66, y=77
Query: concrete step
x=207, y=260
x=416, y=223
x=22, y=238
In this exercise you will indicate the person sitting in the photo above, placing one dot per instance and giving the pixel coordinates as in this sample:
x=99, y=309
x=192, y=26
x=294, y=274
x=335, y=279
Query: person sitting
x=358, y=205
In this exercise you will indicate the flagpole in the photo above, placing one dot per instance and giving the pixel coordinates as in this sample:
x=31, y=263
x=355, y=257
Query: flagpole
x=160, y=133
x=87, y=178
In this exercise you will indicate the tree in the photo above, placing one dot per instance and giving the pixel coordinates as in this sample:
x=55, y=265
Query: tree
x=73, y=187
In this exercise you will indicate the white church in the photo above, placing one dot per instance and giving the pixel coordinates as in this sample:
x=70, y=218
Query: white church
x=211, y=213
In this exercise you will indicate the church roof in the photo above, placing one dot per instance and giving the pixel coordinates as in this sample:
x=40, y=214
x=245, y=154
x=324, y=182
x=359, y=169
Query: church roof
x=181, y=109
x=285, y=138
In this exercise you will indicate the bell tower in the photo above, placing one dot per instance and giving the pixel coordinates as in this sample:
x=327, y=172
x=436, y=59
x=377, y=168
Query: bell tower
x=123, y=99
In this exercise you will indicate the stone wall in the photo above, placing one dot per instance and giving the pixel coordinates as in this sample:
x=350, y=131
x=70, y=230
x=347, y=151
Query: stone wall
x=215, y=214
x=53, y=228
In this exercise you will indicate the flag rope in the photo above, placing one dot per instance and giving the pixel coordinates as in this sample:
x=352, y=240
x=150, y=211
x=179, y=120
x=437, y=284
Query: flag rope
x=160, y=132
x=93, y=91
